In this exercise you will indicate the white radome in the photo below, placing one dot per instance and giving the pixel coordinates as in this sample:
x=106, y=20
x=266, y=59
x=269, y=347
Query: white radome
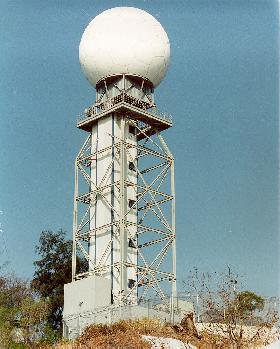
x=124, y=40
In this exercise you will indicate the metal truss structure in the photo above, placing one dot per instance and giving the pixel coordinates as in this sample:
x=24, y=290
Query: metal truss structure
x=154, y=240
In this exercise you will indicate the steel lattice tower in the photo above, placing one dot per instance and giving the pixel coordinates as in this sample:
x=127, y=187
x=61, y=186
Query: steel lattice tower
x=124, y=225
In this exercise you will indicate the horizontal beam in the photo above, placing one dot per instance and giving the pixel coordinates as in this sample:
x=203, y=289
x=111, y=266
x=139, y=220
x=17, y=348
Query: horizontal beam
x=152, y=204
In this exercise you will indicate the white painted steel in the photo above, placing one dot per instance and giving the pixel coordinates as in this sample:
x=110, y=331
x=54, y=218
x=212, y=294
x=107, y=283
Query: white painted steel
x=106, y=169
x=124, y=40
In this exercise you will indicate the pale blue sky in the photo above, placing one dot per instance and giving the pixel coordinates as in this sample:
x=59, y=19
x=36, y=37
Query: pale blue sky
x=222, y=90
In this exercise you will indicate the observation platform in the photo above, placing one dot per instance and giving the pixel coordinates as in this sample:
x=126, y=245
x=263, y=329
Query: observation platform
x=149, y=119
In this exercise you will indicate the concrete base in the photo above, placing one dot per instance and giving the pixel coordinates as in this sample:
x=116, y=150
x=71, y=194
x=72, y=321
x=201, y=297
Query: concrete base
x=86, y=295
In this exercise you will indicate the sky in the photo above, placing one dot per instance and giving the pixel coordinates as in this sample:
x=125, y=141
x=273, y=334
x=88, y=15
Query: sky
x=222, y=91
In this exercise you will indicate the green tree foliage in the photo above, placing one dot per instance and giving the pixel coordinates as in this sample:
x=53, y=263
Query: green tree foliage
x=22, y=314
x=248, y=302
x=52, y=271
x=31, y=320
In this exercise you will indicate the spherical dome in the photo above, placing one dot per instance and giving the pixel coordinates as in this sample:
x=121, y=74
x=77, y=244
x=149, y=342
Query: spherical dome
x=124, y=40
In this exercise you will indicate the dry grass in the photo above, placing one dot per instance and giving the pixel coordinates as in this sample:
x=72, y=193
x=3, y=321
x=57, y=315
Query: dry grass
x=128, y=335
x=120, y=335
x=123, y=334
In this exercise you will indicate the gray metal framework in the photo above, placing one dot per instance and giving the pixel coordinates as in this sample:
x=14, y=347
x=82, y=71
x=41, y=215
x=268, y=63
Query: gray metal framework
x=155, y=241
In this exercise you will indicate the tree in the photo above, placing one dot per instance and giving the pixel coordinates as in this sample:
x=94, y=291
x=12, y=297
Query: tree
x=12, y=291
x=248, y=303
x=52, y=271
x=22, y=314
x=32, y=319
x=226, y=310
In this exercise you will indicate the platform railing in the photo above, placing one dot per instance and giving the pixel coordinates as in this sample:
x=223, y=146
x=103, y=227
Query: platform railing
x=98, y=108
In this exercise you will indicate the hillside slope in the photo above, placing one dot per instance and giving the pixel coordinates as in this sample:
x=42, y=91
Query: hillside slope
x=148, y=334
